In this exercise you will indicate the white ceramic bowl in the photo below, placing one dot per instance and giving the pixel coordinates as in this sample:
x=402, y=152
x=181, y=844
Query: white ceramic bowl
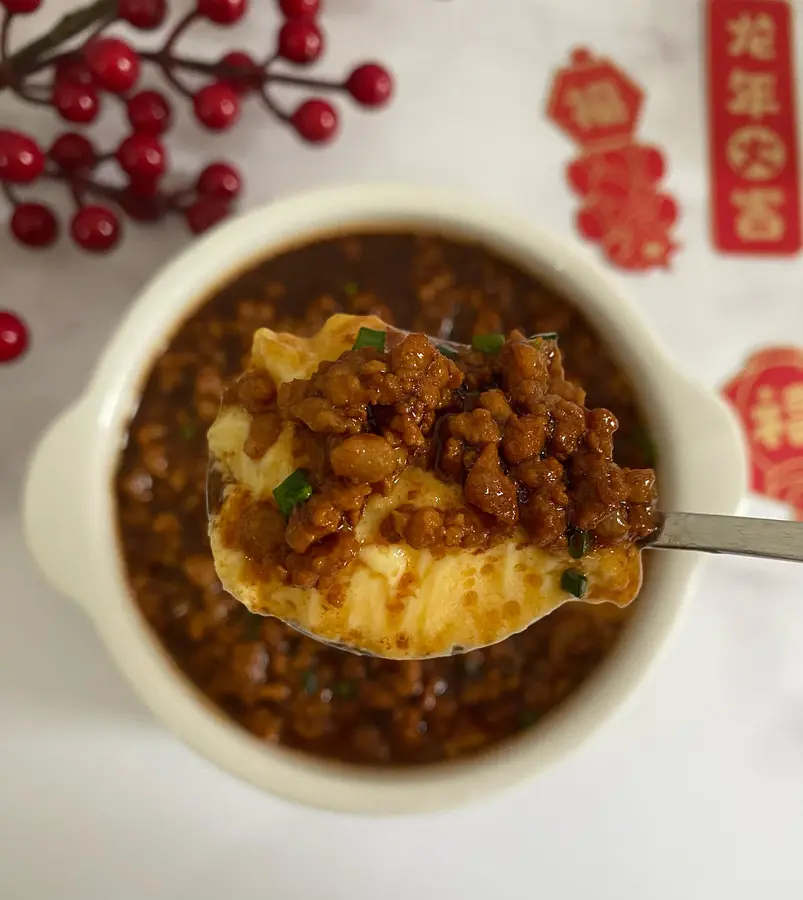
x=69, y=507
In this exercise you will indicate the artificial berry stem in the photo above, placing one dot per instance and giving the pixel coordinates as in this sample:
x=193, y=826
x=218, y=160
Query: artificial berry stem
x=163, y=58
x=77, y=79
x=33, y=56
x=180, y=28
x=260, y=71
x=5, y=31
x=9, y=194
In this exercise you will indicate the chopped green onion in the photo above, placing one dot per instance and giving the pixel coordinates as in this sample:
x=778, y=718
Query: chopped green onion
x=370, y=337
x=188, y=430
x=351, y=288
x=574, y=582
x=448, y=352
x=345, y=689
x=294, y=490
x=489, y=344
x=544, y=336
x=579, y=543
x=310, y=681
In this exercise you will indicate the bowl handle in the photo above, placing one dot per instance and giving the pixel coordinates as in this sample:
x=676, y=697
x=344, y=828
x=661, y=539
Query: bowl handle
x=716, y=459
x=54, y=505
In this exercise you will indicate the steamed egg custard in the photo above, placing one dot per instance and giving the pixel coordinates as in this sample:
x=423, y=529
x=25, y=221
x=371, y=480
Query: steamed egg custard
x=409, y=499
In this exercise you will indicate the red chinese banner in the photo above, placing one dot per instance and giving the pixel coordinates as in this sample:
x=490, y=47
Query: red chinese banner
x=768, y=396
x=624, y=209
x=753, y=127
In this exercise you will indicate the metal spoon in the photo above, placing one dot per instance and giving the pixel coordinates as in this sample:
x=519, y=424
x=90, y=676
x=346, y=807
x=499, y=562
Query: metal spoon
x=771, y=539
x=767, y=538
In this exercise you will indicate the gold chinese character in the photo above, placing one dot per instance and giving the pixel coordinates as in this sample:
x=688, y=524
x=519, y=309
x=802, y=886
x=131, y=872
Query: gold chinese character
x=758, y=217
x=767, y=417
x=752, y=36
x=753, y=94
x=597, y=105
x=756, y=153
x=793, y=407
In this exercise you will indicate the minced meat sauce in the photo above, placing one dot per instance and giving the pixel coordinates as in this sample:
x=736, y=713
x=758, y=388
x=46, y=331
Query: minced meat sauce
x=499, y=419
x=289, y=689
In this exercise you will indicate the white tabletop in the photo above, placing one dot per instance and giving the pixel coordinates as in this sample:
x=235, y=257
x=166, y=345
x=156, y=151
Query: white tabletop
x=696, y=791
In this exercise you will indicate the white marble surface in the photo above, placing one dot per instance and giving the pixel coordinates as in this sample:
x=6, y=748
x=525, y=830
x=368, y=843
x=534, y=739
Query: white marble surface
x=695, y=792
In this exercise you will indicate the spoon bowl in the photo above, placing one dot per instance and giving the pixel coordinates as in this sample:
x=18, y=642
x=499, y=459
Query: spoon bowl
x=394, y=556
x=401, y=600
x=677, y=531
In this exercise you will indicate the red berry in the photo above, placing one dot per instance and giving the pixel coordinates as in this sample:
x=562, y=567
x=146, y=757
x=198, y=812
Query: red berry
x=217, y=106
x=142, y=156
x=144, y=188
x=251, y=78
x=113, y=63
x=34, y=225
x=296, y=9
x=315, y=121
x=21, y=7
x=589, y=225
x=21, y=159
x=95, y=228
x=219, y=180
x=143, y=14
x=72, y=152
x=222, y=12
x=149, y=112
x=206, y=212
x=13, y=336
x=300, y=41
x=75, y=102
x=370, y=85
x=72, y=70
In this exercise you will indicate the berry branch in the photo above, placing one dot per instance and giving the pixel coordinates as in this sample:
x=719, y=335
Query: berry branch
x=76, y=82
x=68, y=27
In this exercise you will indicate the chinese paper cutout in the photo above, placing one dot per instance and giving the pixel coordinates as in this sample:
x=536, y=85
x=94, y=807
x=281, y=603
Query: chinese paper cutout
x=768, y=397
x=624, y=208
x=754, y=156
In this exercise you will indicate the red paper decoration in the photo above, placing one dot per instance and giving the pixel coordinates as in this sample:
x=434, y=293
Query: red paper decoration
x=768, y=396
x=753, y=127
x=624, y=209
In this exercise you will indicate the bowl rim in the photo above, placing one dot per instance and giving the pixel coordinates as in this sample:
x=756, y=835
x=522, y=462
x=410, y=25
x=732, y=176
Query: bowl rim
x=99, y=419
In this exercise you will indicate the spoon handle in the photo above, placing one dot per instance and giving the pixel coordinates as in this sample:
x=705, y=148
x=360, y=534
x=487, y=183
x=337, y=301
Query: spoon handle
x=768, y=538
